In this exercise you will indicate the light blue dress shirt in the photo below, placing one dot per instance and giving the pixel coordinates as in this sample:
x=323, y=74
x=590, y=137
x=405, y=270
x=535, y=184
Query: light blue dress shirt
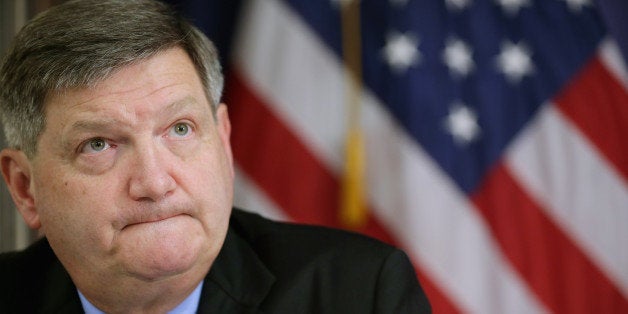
x=188, y=306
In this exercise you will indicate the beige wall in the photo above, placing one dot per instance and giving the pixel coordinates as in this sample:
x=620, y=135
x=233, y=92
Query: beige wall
x=13, y=14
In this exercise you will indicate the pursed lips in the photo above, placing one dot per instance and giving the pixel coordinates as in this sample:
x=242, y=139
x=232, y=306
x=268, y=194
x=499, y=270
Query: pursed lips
x=153, y=219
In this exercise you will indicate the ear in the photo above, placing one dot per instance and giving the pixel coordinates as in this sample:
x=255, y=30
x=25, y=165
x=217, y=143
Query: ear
x=16, y=170
x=224, y=131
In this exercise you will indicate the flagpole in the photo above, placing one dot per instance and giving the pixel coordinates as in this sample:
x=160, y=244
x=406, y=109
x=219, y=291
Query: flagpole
x=353, y=212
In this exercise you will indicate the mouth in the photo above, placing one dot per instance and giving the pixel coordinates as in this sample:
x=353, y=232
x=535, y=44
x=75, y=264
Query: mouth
x=154, y=219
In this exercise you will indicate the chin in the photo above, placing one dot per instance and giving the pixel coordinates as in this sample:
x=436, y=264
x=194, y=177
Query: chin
x=161, y=271
x=168, y=256
x=167, y=264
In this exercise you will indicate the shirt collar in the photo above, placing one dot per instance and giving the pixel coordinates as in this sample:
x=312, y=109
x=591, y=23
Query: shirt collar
x=189, y=305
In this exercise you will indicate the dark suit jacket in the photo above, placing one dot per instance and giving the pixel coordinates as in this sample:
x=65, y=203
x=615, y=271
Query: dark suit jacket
x=263, y=267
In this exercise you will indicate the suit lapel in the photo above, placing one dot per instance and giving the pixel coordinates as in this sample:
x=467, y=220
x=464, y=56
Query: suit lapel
x=238, y=281
x=59, y=293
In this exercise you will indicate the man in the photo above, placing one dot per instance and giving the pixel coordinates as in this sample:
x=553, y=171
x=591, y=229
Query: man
x=119, y=154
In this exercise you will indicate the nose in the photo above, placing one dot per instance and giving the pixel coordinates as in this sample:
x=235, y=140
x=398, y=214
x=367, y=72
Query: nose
x=150, y=174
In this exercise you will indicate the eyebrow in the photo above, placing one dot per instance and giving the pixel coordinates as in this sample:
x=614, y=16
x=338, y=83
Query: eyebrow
x=105, y=123
x=178, y=105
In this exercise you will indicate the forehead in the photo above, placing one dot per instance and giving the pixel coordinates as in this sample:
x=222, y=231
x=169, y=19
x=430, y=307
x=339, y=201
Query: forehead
x=137, y=89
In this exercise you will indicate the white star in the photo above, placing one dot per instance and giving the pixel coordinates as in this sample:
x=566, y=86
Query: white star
x=398, y=3
x=512, y=7
x=577, y=5
x=462, y=123
x=401, y=51
x=457, y=57
x=514, y=61
x=457, y=5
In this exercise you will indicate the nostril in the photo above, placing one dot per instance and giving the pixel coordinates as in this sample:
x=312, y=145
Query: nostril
x=150, y=182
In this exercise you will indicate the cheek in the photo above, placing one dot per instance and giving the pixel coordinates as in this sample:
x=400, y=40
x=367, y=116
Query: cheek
x=70, y=208
x=212, y=184
x=208, y=162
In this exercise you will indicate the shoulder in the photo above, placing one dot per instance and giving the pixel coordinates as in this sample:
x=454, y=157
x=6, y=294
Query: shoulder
x=22, y=273
x=331, y=270
x=25, y=263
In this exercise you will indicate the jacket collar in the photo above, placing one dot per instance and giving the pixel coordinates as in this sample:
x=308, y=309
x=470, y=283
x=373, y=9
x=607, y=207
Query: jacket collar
x=60, y=294
x=238, y=280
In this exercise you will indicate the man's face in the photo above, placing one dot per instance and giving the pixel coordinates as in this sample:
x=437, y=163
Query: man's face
x=134, y=177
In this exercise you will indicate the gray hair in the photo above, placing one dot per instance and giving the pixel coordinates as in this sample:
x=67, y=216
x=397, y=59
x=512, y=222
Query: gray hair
x=82, y=42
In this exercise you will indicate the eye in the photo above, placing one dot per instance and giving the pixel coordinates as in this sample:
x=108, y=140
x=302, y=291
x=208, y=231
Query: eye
x=95, y=145
x=180, y=129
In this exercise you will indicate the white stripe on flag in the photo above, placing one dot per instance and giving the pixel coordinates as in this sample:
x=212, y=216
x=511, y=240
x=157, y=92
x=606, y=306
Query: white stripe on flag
x=435, y=223
x=563, y=172
x=247, y=195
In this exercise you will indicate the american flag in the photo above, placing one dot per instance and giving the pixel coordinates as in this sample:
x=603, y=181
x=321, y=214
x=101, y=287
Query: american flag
x=495, y=138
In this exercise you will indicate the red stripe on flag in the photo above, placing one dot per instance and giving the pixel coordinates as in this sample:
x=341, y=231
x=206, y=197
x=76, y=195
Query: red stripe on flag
x=562, y=276
x=598, y=105
x=439, y=302
x=290, y=174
